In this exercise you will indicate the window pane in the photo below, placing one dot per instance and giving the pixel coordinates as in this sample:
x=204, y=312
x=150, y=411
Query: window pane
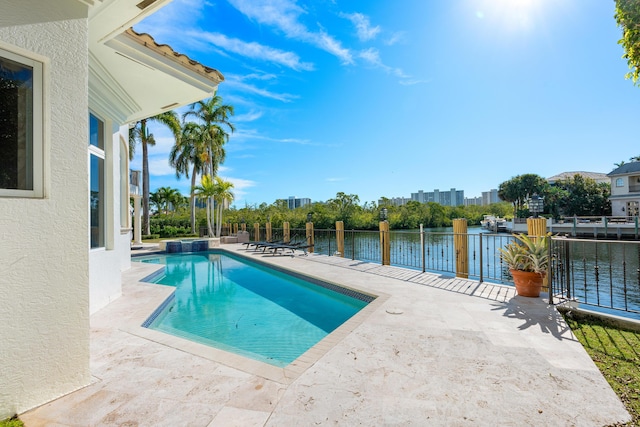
x=97, y=202
x=96, y=132
x=16, y=125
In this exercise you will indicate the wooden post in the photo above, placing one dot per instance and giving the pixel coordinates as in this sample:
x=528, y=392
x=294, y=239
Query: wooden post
x=340, y=238
x=256, y=232
x=286, y=232
x=310, y=236
x=244, y=226
x=385, y=243
x=267, y=227
x=461, y=247
x=537, y=227
x=235, y=228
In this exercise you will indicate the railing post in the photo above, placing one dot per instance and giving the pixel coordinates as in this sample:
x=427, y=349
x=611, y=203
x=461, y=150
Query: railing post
x=422, y=254
x=310, y=236
x=385, y=245
x=256, y=232
x=340, y=238
x=567, y=272
x=267, y=227
x=550, y=275
x=353, y=245
x=461, y=247
x=480, y=258
x=286, y=232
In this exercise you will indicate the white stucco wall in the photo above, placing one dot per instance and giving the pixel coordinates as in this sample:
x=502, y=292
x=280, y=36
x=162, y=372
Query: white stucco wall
x=106, y=264
x=44, y=268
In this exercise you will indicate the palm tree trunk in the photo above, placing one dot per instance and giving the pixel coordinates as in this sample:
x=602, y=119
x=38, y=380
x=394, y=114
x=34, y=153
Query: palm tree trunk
x=193, y=201
x=209, y=218
x=146, y=227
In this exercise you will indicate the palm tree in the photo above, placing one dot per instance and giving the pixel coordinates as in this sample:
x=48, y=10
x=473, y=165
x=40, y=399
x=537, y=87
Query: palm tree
x=206, y=190
x=140, y=133
x=223, y=196
x=168, y=196
x=214, y=117
x=190, y=152
x=155, y=199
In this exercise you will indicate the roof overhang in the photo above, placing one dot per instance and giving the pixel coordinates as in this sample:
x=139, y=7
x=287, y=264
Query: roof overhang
x=132, y=77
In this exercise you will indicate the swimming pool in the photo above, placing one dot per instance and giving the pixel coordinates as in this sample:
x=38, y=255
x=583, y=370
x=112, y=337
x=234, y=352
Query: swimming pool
x=242, y=306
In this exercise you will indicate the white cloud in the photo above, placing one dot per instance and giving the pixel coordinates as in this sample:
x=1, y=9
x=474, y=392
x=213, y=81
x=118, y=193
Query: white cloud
x=395, y=38
x=334, y=179
x=411, y=82
x=238, y=84
x=248, y=117
x=248, y=134
x=363, y=27
x=372, y=56
x=284, y=15
x=253, y=50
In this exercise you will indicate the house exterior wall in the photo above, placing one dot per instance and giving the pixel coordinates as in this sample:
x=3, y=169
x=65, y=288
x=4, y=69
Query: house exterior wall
x=623, y=201
x=44, y=273
x=106, y=264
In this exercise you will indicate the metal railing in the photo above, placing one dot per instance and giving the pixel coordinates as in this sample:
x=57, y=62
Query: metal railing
x=425, y=251
x=600, y=274
x=603, y=275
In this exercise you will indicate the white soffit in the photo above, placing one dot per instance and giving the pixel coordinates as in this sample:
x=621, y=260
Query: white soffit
x=135, y=75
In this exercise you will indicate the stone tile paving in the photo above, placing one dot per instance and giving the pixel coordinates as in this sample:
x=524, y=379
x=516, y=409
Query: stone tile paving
x=458, y=353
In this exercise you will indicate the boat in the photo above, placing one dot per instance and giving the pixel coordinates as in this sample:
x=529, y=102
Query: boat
x=494, y=223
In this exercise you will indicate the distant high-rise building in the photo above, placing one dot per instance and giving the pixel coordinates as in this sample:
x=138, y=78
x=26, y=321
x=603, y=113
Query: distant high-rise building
x=489, y=197
x=473, y=201
x=452, y=197
x=293, y=202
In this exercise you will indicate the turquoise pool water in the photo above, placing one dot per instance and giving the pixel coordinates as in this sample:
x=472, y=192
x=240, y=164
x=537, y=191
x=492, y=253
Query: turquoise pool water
x=247, y=308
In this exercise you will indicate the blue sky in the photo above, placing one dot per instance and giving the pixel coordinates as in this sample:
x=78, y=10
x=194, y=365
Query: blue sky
x=385, y=98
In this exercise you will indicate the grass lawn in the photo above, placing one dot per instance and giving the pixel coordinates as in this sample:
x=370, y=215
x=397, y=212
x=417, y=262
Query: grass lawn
x=617, y=353
x=11, y=422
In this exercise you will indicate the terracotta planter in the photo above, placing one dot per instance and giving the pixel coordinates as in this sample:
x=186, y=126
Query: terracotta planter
x=528, y=283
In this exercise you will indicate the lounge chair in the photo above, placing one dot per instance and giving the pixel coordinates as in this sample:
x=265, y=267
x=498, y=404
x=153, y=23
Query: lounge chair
x=257, y=245
x=293, y=248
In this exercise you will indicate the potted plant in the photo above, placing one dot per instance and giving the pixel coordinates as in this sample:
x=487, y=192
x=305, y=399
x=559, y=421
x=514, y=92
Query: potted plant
x=528, y=261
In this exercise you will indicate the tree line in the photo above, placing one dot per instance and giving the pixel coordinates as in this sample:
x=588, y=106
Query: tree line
x=577, y=195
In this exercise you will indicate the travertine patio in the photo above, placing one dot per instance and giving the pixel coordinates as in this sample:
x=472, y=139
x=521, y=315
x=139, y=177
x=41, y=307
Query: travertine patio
x=432, y=350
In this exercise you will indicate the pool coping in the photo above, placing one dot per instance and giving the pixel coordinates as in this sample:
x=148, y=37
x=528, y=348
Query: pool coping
x=284, y=375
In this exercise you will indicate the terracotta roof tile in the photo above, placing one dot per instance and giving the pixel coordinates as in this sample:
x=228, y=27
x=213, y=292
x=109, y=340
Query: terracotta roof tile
x=166, y=50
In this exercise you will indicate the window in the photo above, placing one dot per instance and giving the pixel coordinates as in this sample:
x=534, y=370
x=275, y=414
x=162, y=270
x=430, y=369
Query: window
x=21, y=168
x=96, y=181
x=619, y=182
x=125, y=213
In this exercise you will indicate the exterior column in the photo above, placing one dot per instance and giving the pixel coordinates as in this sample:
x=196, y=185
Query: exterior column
x=461, y=247
x=137, y=221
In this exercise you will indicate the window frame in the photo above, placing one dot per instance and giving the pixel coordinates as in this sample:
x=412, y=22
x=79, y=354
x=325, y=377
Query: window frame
x=101, y=155
x=125, y=204
x=619, y=182
x=37, y=165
